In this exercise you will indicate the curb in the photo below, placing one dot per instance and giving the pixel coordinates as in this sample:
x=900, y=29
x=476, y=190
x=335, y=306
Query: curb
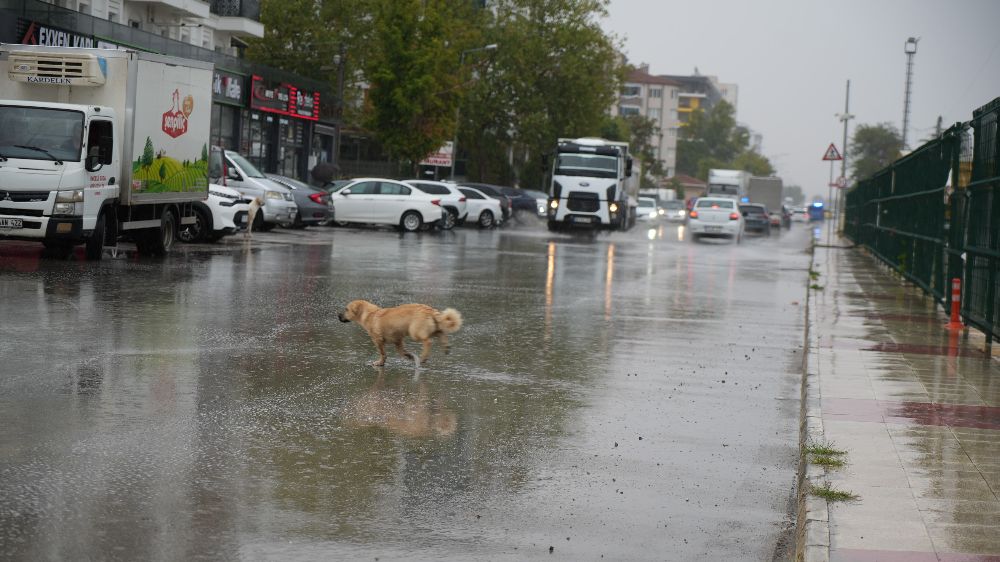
x=812, y=535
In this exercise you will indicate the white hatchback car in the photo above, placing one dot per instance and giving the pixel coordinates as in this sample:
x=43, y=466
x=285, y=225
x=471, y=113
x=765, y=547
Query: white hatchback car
x=452, y=200
x=716, y=216
x=647, y=211
x=382, y=201
x=224, y=212
x=485, y=210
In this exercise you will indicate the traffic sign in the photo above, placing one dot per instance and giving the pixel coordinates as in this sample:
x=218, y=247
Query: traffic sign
x=832, y=153
x=841, y=182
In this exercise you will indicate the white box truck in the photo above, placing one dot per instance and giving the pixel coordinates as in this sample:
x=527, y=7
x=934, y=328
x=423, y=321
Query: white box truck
x=97, y=144
x=769, y=191
x=733, y=184
x=593, y=186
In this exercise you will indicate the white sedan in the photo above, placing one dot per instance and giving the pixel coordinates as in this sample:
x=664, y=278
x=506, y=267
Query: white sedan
x=485, y=210
x=383, y=201
x=716, y=216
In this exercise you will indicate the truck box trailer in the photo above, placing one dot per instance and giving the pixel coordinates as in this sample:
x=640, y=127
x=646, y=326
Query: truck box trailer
x=769, y=191
x=97, y=144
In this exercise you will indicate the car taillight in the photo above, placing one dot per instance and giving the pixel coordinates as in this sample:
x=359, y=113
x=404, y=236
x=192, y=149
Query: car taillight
x=436, y=202
x=317, y=198
x=461, y=199
x=734, y=216
x=694, y=214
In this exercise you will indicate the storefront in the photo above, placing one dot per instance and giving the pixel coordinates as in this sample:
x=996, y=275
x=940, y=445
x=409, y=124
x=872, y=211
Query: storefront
x=278, y=128
x=228, y=101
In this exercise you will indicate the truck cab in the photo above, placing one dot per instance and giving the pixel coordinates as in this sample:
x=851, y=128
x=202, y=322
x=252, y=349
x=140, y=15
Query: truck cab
x=591, y=186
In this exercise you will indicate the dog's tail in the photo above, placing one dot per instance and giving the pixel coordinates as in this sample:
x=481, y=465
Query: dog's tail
x=448, y=320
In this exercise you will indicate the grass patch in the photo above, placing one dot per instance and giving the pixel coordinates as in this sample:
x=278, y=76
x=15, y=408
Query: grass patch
x=816, y=287
x=828, y=461
x=823, y=449
x=831, y=494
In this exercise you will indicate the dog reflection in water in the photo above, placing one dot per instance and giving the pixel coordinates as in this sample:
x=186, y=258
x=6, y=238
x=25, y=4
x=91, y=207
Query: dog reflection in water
x=419, y=322
x=403, y=410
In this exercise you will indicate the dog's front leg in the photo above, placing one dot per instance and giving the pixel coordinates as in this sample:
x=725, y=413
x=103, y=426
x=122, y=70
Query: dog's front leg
x=380, y=344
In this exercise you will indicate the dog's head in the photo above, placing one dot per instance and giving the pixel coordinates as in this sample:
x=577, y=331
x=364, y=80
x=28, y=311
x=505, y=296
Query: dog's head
x=355, y=311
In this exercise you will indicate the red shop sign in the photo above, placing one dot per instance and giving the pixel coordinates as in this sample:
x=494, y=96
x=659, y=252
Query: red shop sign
x=284, y=99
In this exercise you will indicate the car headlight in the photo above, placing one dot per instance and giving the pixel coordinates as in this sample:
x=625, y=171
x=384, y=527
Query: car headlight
x=273, y=195
x=73, y=196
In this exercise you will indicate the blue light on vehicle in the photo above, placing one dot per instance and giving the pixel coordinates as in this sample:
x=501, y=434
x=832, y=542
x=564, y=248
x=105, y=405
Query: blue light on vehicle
x=817, y=204
x=744, y=199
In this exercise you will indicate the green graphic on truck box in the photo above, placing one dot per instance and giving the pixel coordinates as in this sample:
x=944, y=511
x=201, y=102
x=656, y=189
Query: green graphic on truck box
x=155, y=172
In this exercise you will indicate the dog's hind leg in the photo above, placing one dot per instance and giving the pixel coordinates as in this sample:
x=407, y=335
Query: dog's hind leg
x=426, y=351
x=402, y=351
x=443, y=338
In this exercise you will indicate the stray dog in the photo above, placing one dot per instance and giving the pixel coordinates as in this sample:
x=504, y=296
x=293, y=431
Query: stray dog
x=390, y=325
x=255, y=206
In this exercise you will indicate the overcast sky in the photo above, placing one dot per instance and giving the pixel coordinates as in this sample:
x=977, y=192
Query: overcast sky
x=792, y=59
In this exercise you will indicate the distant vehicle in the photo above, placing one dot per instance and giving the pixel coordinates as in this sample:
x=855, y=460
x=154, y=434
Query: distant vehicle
x=756, y=219
x=593, y=185
x=485, y=210
x=523, y=200
x=800, y=215
x=231, y=169
x=816, y=211
x=769, y=192
x=384, y=201
x=452, y=200
x=716, y=216
x=647, y=210
x=675, y=210
x=223, y=213
x=313, y=204
x=734, y=184
x=496, y=192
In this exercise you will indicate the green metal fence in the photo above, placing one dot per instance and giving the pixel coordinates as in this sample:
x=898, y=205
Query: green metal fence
x=981, y=299
x=930, y=210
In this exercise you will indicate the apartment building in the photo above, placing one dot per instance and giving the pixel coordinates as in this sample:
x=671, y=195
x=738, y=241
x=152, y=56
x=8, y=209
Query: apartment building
x=269, y=115
x=656, y=98
x=700, y=92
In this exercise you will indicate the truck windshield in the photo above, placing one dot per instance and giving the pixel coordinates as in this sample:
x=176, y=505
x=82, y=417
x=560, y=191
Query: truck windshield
x=37, y=133
x=590, y=165
x=244, y=165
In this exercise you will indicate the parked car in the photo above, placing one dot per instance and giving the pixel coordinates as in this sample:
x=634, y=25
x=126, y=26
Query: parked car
x=496, y=192
x=756, y=219
x=313, y=204
x=525, y=201
x=233, y=170
x=223, y=213
x=716, y=216
x=675, y=210
x=647, y=211
x=452, y=200
x=484, y=209
x=384, y=201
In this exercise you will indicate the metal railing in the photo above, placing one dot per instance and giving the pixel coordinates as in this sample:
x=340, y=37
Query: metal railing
x=937, y=206
x=237, y=8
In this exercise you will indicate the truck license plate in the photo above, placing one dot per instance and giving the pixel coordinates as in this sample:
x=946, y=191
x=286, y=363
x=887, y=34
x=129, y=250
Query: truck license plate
x=583, y=219
x=10, y=223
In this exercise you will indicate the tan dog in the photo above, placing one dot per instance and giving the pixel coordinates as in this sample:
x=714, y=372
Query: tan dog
x=255, y=204
x=390, y=325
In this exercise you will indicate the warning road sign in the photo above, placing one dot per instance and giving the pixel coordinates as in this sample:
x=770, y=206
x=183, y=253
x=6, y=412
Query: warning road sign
x=832, y=153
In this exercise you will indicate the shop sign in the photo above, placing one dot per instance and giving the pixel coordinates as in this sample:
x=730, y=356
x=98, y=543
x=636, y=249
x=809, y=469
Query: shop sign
x=34, y=33
x=227, y=87
x=284, y=99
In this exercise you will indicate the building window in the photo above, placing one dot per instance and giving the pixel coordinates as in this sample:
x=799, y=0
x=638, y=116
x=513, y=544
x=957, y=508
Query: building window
x=656, y=93
x=626, y=110
x=671, y=132
x=113, y=17
x=631, y=91
x=673, y=114
x=84, y=8
x=673, y=94
x=653, y=113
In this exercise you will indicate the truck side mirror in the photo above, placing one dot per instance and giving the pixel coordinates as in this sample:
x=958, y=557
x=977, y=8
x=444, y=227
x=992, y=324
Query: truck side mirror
x=628, y=168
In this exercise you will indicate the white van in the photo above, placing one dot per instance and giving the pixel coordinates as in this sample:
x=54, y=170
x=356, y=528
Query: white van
x=238, y=173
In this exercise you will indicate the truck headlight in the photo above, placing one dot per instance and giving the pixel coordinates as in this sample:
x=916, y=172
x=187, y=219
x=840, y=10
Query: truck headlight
x=64, y=209
x=74, y=196
x=613, y=207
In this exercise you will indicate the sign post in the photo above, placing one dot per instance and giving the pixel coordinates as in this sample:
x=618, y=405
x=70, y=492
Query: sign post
x=831, y=155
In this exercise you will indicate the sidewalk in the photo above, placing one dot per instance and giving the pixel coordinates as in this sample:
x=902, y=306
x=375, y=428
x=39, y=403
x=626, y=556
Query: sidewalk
x=915, y=407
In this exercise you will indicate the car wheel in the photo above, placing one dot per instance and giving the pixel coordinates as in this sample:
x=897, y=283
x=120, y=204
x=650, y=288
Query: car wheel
x=94, y=248
x=196, y=232
x=450, y=220
x=411, y=221
x=297, y=223
x=486, y=219
x=258, y=223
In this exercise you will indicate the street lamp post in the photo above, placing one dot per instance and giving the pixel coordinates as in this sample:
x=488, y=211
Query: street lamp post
x=910, y=48
x=458, y=105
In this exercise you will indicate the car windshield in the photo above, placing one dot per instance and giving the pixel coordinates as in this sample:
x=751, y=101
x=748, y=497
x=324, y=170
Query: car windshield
x=647, y=203
x=245, y=165
x=715, y=203
x=36, y=133
x=590, y=165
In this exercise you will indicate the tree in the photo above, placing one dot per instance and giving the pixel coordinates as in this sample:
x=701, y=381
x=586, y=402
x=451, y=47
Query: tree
x=712, y=139
x=795, y=193
x=754, y=163
x=638, y=131
x=147, y=153
x=413, y=87
x=873, y=147
x=204, y=152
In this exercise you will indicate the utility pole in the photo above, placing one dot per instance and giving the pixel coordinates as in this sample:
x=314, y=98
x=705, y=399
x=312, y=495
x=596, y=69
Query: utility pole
x=910, y=48
x=844, y=117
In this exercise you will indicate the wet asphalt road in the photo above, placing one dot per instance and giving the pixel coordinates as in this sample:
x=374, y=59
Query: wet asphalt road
x=631, y=397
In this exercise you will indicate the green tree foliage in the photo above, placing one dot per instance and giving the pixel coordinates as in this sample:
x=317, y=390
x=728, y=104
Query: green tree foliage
x=555, y=74
x=147, y=153
x=873, y=147
x=413, y=87
x=204, y=152
x=639, y=132
x=712, y=139
x=795, y=192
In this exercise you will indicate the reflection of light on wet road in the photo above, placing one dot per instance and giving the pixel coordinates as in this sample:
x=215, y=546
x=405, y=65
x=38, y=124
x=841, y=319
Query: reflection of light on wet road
x=608, y=279
x=651, y=234
x=681, y=231
x=550, y=275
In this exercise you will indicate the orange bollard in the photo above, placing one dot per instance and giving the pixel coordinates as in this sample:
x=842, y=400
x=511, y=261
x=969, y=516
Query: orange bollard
x=956, y=304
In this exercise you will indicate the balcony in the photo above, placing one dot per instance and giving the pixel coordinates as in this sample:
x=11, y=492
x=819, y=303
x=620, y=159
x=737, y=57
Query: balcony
x=240, y=18
x=181, y=8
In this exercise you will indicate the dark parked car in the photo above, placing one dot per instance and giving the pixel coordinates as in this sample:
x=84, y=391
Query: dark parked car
x=496, y=192
x=524, y=201
x=756, y=219
x=313, y=203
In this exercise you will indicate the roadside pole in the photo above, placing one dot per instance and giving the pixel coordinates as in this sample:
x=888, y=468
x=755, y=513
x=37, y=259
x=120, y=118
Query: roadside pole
x=832, y=155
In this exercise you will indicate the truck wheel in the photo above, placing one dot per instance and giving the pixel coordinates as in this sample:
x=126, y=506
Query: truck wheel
x=411, y=221
x=554, y=226
x=159, y=241
x=57, y=249
x=94, y=248
x=196, y=232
